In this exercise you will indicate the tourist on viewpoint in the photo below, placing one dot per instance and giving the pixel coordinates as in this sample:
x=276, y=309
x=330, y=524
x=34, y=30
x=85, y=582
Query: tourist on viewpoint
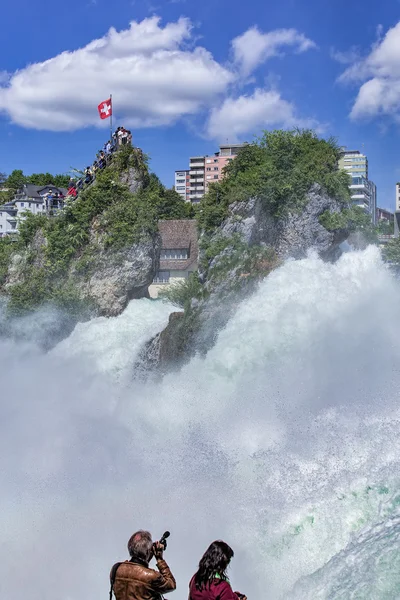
x=134, y=579
x=211, y=581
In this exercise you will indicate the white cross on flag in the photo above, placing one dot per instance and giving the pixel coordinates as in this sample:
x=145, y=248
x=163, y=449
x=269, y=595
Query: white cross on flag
x=105, y=109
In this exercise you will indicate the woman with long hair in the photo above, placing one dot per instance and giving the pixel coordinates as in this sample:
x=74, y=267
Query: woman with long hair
x=211, y=581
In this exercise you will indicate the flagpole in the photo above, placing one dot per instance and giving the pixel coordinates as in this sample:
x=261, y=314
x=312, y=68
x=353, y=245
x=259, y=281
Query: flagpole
x=111, y=126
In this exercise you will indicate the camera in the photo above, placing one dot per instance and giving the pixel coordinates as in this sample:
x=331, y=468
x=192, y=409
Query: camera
x=163, y=539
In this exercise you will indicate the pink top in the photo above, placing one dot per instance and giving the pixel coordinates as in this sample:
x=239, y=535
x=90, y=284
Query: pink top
x=218, y=590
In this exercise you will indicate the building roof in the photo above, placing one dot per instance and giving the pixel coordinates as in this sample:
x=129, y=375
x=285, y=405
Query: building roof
x=36, y=192
x=8, y=207
x=179, y=234
x=234, y=145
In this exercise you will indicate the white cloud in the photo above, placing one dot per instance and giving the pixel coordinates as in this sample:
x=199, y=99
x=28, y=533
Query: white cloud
x=379, y=75
x=246, y=115
x=253, y=47
x=347, y=57
x=153, y=77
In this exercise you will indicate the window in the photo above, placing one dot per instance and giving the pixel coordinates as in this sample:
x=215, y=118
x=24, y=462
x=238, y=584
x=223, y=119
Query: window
x=162, y=277
x=21, y=204
x=216, y=169
x=208, y=176
x=215, y=160
x=216, y=176
x=208, y=160
x=29, y=204
x=180, y=187
x=174, y=254
x=180, y=181
x=180, y=174
x=208, y=168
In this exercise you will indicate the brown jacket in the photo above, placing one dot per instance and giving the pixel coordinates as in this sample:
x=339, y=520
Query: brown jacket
x=137, y=582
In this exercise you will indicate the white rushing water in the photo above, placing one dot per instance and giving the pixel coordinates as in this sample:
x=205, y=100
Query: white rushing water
x=284, y=441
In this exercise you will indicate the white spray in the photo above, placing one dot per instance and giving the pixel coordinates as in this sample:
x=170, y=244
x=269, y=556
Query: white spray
x=283, y=441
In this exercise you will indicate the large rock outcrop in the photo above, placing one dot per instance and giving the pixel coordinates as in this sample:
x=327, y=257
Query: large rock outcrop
x=116, y=277
x=112, y=279
x=292, y=235
x=93, y=274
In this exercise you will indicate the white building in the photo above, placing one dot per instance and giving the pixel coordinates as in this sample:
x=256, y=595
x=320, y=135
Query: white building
x=182, y=184
x=354, y=162
x=30, y=198
x=363, y=190
x=397, y=211
x=179, y=253
x=397, y=200
x=363, y=194
x=8, y=219
x=196, y=178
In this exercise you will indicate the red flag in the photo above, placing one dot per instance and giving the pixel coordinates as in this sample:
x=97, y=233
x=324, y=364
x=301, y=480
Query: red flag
x=105, y=109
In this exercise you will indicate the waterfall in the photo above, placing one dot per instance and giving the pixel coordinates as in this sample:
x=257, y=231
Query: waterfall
x=283, y=441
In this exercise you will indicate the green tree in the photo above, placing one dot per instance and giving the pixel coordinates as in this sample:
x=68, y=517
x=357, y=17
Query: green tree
x=391, y=252
x=48, y=178
x=171, y=205
x=16, y=180
x=385, y=227
x=280, y=167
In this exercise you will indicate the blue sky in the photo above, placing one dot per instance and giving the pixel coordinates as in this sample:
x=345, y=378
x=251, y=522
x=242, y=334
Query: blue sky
x=202, y=73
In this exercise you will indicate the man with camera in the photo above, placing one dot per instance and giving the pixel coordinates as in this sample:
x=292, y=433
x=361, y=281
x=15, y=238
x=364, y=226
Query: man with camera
x=133, y=579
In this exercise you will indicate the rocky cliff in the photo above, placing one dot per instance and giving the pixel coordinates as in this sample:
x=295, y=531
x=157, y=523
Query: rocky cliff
x=294, y=234
x=97, y=254
x=106, y=285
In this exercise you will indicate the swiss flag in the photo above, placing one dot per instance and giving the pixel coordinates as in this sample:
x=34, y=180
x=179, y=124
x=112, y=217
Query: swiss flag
x=105, y=109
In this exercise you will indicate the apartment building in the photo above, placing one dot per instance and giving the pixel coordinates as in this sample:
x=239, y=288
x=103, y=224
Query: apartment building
x=382, y=214
x=363, y=194
x=196, y=178
x=204, y=170
x=182, y=183
x=354, y=162
x=363, y=190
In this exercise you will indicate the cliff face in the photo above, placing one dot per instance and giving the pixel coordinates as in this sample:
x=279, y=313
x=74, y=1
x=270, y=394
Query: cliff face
x=292, y=235
x=102, y=251
x=113, y=278
x=116, y=277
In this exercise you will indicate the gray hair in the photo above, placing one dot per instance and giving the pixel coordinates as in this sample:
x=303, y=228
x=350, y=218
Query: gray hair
x=141, y=545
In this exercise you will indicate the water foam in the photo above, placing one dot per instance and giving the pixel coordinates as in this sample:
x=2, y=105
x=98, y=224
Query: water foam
x=282, y=440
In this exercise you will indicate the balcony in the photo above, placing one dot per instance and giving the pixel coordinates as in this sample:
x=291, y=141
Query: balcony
x=196, y=180
x=196, y=163
x=196, y=172
x=197, y=188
